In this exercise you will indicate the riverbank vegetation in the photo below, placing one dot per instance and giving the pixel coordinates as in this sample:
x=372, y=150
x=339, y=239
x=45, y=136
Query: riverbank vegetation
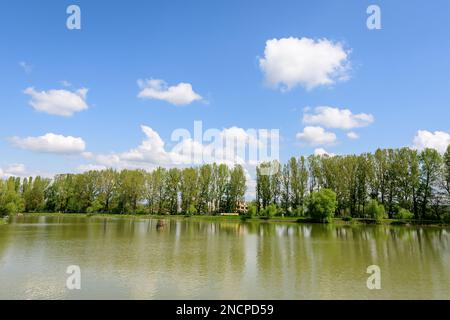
x=209, y=189
x=401, y=184
x=393, y=183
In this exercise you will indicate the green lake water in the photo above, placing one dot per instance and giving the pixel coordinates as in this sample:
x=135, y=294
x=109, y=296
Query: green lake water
x=122, y=258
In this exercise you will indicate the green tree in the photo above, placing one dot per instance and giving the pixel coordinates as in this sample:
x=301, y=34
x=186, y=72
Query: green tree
x=322, y=205
x=172, y=190
x=221, y=176
x=404, y=214
x=430, y=168
x=33, y=193
x=252, y=209
x=263, y=188
x=237, y=188
x=286, y=189
x=376, y=210
x=205, y=189
x=270, y=210
x=130, y=190
x=107, y=187
x=446, y=171
x=188, y=190
x=10, y=199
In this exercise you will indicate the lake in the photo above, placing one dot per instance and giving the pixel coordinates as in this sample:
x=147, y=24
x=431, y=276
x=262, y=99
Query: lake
x=125, y=258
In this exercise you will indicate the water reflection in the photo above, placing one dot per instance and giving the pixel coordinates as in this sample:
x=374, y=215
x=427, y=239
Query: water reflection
x=184, y=258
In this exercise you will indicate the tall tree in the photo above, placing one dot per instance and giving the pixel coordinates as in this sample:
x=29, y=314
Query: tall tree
x=188, y=189
x=430, y=162
x=446, y=171
x=204, y=188
x=237, y=187
x=172, y=190
x=286, y=188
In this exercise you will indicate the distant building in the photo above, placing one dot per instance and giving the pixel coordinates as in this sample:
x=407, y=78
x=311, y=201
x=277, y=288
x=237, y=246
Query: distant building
x=241, y=207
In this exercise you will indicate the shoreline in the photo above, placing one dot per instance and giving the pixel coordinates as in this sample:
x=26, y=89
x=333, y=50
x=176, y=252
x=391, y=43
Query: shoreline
x=290, y=220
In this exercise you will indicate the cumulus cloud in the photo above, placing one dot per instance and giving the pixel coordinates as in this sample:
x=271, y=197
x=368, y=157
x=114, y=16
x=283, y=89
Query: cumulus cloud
x=352, y=135
x=180, y=94
x=323, y=152
x=20, y=170
x=58, y=102
x=438, y=140
x=90, y=167
x=316, y=136
x=331, y=117
x=290, y=62
x=51, y=143
x=14, y=170
x=229, y=146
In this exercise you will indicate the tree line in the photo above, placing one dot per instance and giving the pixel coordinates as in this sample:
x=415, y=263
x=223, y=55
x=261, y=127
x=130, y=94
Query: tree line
x=208, y=189
x=403, y=183
x=396, y=183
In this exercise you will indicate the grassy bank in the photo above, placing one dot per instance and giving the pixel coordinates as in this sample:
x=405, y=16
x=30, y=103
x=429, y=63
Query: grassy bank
x=277, y=219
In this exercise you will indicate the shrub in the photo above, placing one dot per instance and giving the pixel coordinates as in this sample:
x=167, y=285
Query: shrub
x=376, y=211
x=10, y=208
x=192, y=210
x=251, y=209
x=95, y=207
x=404, y=214
x=446, y=217
x=347, y=218
x=298, y=212
x=270, y=211
x=322, y=205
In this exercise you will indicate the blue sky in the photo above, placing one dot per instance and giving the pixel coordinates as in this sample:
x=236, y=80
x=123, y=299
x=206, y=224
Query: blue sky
x=399, y=75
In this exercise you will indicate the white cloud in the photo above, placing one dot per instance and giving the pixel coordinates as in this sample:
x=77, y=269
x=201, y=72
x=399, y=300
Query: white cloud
x=217, y=146
x=352, y=135
x=14, y=170
x=438, y=140
x=180, y=94
x=323, y=152
x=90, y=167
x=51, y=143
x=289, y=62
x=330, y=117
x=58, y=102
x=316, y=136
x=20, y=170
x=87, y=155
x=152, y=151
